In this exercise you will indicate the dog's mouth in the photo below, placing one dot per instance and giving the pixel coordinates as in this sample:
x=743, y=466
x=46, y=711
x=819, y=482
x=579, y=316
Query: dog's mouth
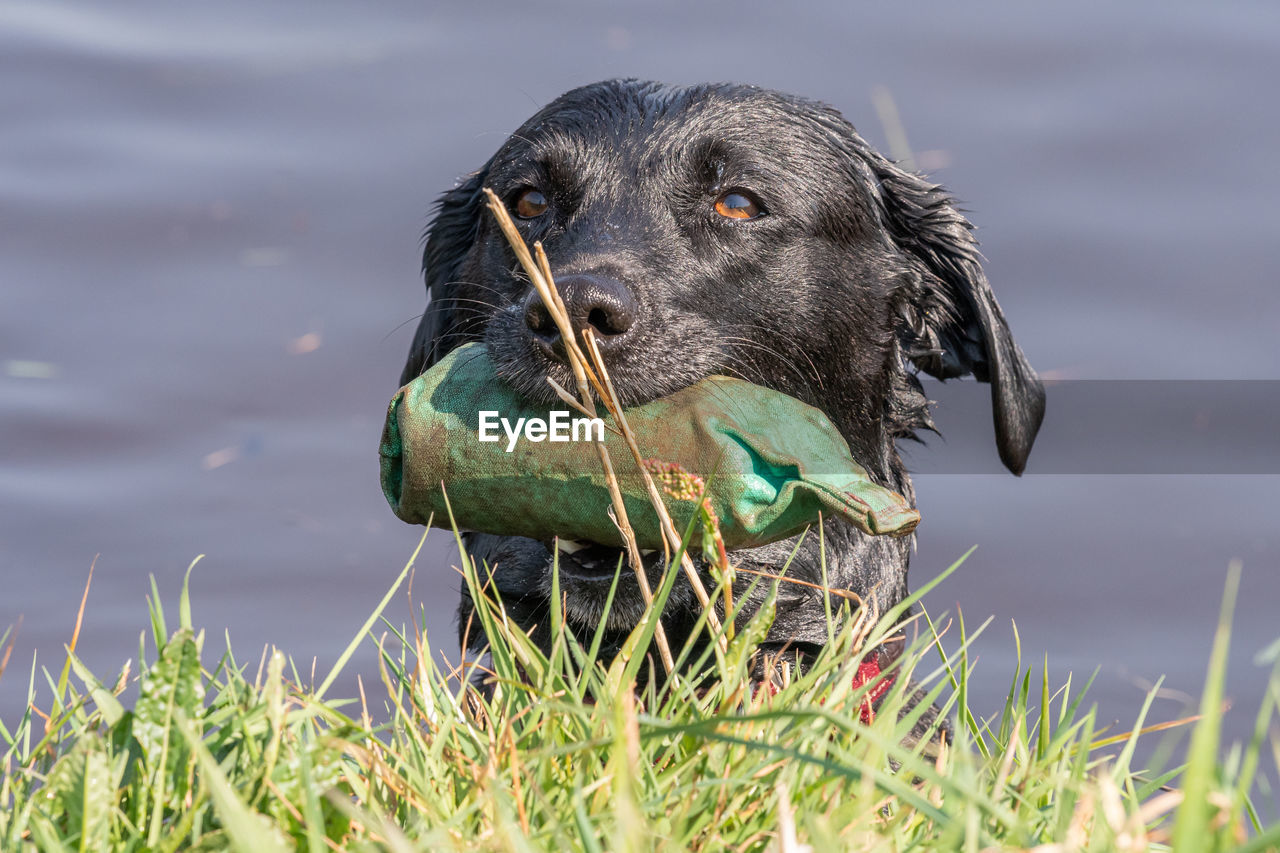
x=588, y=571
x=590, y=562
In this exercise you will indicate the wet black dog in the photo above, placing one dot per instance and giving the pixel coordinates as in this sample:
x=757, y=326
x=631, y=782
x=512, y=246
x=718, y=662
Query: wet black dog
x=733, y=230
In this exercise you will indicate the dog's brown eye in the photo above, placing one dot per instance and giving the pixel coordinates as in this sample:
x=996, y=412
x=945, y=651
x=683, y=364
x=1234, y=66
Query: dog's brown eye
x=530, y=204
x=733, y=205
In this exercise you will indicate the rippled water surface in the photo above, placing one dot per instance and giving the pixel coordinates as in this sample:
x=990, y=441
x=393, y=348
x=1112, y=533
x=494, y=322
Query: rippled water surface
x=209, y=224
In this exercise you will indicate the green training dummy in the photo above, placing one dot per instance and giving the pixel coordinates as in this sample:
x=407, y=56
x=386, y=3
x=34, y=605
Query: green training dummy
x=769, y=462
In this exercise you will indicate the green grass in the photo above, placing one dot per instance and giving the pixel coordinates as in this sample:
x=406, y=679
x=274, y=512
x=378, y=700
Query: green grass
x=216, y=754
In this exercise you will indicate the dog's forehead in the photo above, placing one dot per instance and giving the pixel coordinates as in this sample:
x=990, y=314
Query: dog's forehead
x=649, y=125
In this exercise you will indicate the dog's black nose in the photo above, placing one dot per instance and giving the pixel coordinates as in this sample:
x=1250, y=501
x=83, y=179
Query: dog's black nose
x=604, y=304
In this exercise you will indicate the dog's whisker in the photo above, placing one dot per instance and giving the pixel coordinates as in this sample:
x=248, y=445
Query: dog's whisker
x=469, y=310
x=400, y=326
x=796, y=345
x=782, y=359
x=489, y=307
x=462, y=282
x=469, y=315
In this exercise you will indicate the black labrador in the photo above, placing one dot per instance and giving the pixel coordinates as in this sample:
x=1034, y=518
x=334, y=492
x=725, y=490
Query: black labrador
x=734, y=230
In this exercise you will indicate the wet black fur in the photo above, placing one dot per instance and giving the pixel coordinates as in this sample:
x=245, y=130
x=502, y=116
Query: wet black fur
x=859, y=275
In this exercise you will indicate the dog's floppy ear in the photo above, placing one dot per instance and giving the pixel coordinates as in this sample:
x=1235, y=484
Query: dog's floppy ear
x=449, y=238
x=954, y=325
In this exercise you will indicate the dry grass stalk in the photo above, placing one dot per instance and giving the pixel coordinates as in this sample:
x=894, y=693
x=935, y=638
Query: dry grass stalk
x=668, y=527
x=545, y=286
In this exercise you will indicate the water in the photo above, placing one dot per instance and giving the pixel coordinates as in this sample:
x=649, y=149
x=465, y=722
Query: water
x=209, y=224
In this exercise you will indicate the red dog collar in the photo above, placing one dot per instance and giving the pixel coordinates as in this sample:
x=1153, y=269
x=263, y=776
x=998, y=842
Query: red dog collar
x=868, y=671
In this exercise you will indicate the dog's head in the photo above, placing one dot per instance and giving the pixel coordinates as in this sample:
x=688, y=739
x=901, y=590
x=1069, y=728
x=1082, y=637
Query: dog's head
x=727, y=229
